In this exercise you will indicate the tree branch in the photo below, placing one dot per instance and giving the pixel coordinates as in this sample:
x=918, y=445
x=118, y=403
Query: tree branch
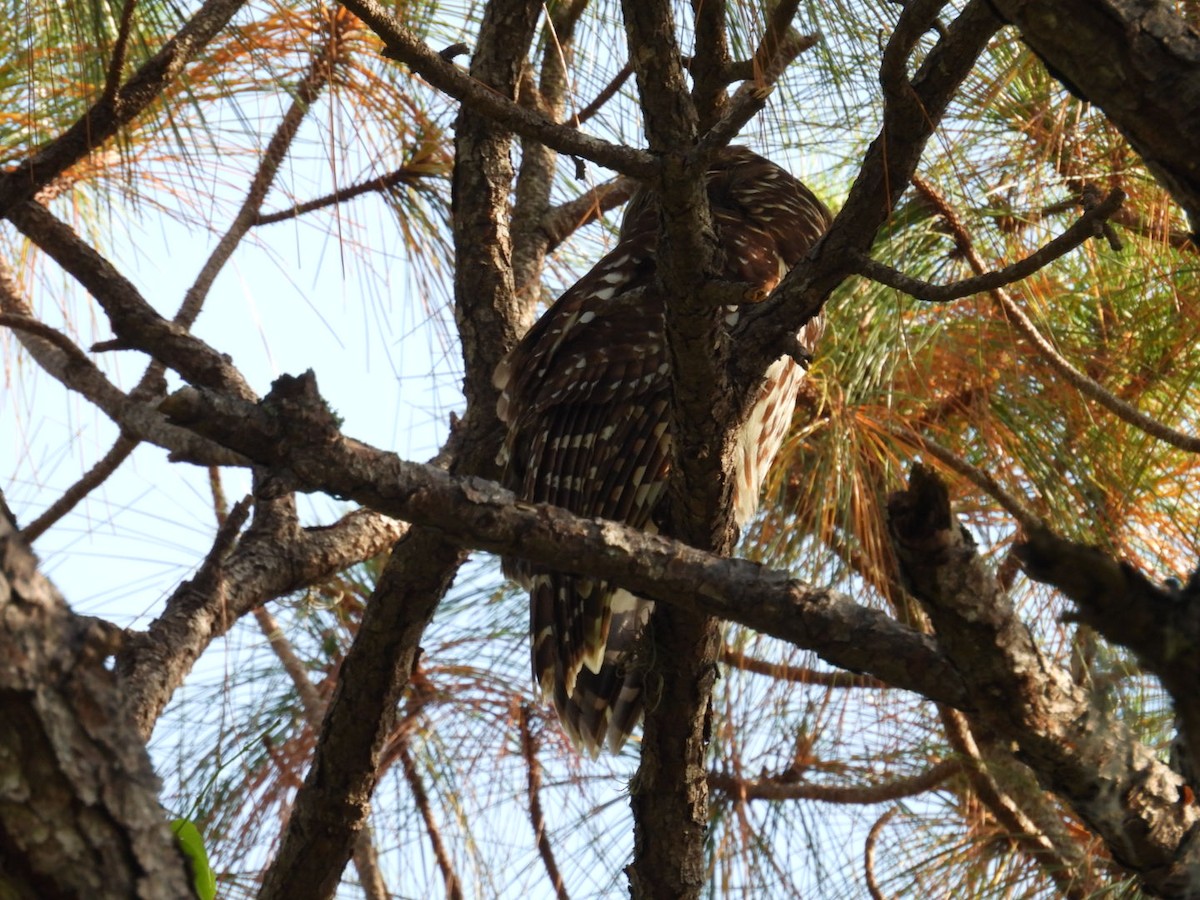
x=404, y=46
x=1089, y=225
x=264, y=565
x=797, y=674
x=115, y=109
x=298, y=437
x=331, y=807
x=79, y=810
x=1150, y=70
x=1087, y=386
x=405, y=174
x=317, y=75
x=136, y=323
x=1160, y=624
x=912, y=111
x=1082, y=753
x=565, y=219
x=59, y=356
x=785, y=787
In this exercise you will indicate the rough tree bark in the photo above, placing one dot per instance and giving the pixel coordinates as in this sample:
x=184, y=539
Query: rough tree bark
x=79, y=811
x=1139, y=61
x=1077, y=747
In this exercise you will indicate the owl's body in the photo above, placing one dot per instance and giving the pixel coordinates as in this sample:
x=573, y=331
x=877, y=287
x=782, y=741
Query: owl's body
x=586, y=397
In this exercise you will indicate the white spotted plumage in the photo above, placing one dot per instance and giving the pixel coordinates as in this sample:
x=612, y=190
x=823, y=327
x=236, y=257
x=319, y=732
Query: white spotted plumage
x=586, y=398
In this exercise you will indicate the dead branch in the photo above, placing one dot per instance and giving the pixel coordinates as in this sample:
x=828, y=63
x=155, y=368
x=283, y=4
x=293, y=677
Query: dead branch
x=1010, y=502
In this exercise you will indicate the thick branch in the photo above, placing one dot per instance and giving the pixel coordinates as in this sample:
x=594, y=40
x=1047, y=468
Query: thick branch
x=1078, y=750
x=332, y=806
x=1138, y=61
x=1160, y=624
x=298, y=437
x=79, y=811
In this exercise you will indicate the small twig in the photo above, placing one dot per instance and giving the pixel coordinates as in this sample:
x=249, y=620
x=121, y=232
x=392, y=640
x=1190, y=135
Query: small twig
x=536, y=817
x=798, y=674
x=120, y=50
x=404, y=174
x=869, y=854
x=1087, y=386
x=565, y=219
x=604, y=96
x=1088, y=225
x=413, y=777
x=318, y=74
x=94, y=477
x=784, y=787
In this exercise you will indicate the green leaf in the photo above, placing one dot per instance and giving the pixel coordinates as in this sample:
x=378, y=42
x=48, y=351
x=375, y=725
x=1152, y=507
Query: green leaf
x=192, y=845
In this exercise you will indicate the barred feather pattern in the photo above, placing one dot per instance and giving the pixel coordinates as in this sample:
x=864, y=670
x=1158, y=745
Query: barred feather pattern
x=586, y=399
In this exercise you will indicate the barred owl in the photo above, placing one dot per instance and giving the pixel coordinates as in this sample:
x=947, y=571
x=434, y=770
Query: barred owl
x=586, y=399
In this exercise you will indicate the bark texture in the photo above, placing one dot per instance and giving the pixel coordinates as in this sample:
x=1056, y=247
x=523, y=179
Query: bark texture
x=1139, y=61
x=1077, y=748
x=79, y=811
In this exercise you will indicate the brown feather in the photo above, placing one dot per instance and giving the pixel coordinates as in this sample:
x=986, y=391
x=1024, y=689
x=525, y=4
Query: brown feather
x=586, y=397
